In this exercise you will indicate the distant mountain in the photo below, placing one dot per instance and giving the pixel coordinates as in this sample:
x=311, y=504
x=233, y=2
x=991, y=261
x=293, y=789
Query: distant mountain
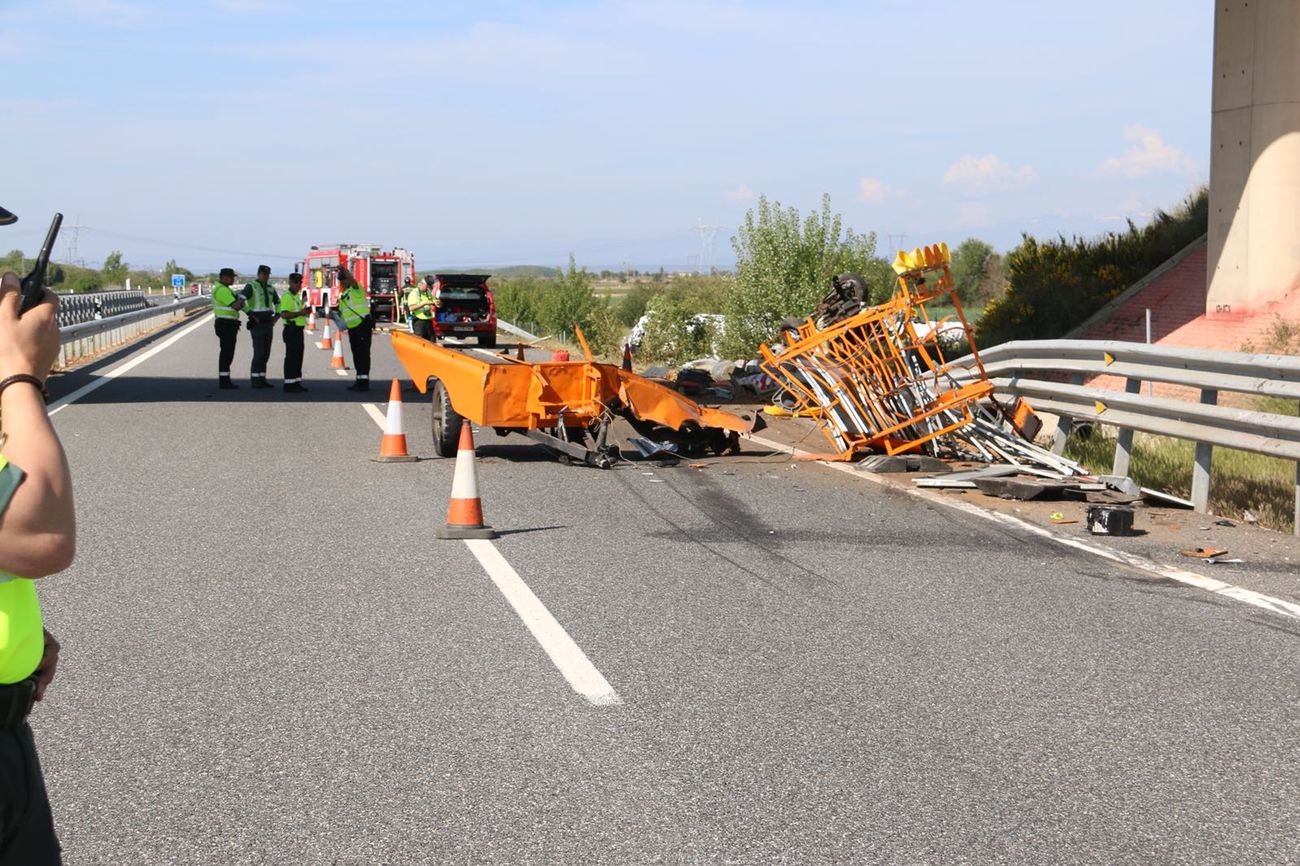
x=501, y=273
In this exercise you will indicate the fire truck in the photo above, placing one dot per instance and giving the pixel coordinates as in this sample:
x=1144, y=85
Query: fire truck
x=383, y=273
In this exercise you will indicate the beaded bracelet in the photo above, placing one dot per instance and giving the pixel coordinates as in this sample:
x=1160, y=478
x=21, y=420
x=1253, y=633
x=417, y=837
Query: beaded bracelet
x=22, y=377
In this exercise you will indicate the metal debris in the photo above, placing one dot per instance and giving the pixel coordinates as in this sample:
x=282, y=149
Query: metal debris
x=877, y=378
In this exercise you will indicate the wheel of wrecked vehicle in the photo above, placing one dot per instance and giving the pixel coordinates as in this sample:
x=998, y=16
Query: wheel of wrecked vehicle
x=446, y=421
x=488, y=341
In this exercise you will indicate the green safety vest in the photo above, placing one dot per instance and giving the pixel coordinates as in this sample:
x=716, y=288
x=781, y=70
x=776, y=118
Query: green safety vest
x=262, y=301
x=416, y=296
x=222, y=298
x=22, y=639
x=353, y=306
x=291, y=303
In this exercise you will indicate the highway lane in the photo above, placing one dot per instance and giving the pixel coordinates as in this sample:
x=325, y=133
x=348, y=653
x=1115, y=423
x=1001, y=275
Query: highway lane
x=269, y=659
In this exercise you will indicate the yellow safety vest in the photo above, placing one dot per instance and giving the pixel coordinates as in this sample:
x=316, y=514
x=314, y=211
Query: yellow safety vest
x=22, y=640
x=353, y=307
x=414, y=298
x=222, y=298
x=291, y=303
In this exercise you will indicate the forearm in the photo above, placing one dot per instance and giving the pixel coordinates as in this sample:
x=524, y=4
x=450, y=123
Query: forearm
x=38, y=529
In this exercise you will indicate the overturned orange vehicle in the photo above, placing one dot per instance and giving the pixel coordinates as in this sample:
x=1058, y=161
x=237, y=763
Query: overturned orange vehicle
x=568, y=406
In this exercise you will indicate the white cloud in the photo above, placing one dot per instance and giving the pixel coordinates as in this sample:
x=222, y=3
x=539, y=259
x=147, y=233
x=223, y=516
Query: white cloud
x=742, y=194
x=872, y=190
x=976, y=174
x=1150, y=154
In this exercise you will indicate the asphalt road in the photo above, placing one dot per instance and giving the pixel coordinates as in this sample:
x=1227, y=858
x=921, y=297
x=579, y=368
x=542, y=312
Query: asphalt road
x=268, y=658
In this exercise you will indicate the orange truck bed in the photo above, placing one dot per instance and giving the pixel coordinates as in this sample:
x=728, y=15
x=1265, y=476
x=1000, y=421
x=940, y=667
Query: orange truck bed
x=558, y=403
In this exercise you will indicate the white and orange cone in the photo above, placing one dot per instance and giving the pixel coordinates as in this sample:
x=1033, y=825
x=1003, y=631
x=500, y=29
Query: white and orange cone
x=336, y=362
x=392, y=448
x=325, y=335
x=311, y=321
x=465, y=514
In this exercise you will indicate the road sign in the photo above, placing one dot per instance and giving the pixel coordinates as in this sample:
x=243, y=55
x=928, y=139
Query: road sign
x=178, y=281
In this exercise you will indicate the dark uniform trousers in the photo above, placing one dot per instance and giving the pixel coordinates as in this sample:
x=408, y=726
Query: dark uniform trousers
x=227, y=331
x=422, y=328
x=26, y=825
x=359, y=341
x=292, y=337
x=262, y=333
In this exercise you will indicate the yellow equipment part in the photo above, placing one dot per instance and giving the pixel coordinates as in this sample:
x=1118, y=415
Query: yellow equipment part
x=497, y=390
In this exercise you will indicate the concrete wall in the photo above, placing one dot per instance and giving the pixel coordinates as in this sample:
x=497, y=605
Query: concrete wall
x=1254, y=231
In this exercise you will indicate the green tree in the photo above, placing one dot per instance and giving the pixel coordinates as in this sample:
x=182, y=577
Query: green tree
x=115, y=270
x=784, y=264
x=1054, y=285
x=568, y=302
x=970, y=269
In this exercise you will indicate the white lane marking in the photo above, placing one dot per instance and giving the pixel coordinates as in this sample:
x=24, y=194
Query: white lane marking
x=341, y=372
x=103, y=380
x=375, y=415
x=566, y=655
x=1191, y=578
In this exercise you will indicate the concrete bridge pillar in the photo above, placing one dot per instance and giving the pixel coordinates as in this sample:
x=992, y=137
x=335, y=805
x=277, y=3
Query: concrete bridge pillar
x=1254, y=230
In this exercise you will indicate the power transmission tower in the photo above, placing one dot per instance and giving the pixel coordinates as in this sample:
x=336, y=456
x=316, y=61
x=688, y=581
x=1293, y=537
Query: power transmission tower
x=707, y=234
x=73, y=233
x=902, y=241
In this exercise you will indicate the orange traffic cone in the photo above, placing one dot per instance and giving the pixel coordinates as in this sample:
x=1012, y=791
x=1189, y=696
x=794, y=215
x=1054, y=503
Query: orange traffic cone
x=627, y=357
x=325, y=335
x=336, y=362
x=392, y=448
x=311, y=321
x=465, y=514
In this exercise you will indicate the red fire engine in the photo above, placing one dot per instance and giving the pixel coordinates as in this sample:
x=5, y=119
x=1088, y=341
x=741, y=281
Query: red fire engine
x=383, y=273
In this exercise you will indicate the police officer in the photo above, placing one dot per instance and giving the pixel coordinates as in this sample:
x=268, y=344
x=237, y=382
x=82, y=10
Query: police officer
x=420, y=302
x=37, y=539
x=261, y=300
x=225, y=307
x=354, y=312
x=292, y=314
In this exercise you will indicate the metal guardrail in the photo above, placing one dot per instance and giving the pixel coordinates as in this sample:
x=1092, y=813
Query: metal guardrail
x=1012, y=366
x=96, y=335
x=78, y=307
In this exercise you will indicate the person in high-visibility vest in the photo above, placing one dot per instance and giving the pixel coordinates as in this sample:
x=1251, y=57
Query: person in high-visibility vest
x=225, y=308
x=260, y=307
x=38, y=538
x=292, y=313
x=353, y=312
x=420, y=302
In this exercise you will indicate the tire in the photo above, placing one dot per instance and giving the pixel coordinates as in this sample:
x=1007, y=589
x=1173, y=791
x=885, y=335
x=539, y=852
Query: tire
x=488, y=341
x=446, y=421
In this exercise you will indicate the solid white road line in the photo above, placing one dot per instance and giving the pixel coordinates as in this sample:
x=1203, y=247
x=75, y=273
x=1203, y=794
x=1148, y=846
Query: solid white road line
x=103, y=380
x=1191, y=578
x=375, y=415
x=567, y=656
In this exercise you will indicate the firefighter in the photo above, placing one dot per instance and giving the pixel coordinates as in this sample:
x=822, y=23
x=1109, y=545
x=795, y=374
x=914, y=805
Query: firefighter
x=420, y=302
x=225, y=307
x=260, y=307
x=354, y=313
x=291, y=313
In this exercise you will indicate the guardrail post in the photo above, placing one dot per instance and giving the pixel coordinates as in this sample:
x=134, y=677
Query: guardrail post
x=1201, y=470
x=1063, y=424
x=1124, y=440
x=1295, y=526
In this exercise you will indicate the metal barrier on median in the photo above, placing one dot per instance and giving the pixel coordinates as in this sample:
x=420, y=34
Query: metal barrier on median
x=1205, y=423
x=88, y=338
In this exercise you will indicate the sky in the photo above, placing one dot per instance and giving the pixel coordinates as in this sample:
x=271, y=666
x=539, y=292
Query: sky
x=626, y=134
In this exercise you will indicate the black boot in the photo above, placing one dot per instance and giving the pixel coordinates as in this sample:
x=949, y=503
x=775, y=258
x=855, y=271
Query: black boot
x=224, y=384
